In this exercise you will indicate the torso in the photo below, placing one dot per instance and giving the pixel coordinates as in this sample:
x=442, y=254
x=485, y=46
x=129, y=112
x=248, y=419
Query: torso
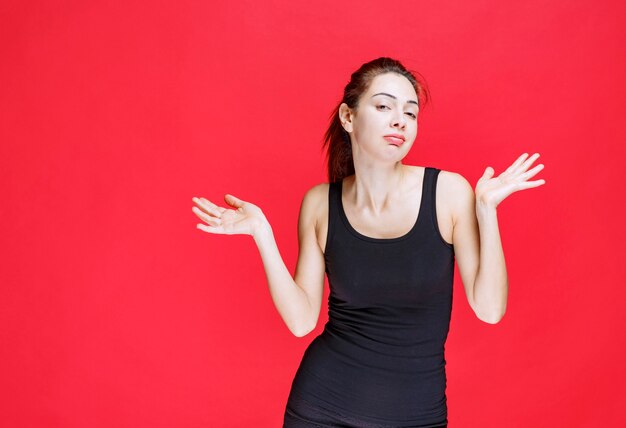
x=396, y=223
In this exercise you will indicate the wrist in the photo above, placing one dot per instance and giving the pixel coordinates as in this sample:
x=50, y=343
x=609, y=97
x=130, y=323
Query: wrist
x=486, y=211
x=262, y=230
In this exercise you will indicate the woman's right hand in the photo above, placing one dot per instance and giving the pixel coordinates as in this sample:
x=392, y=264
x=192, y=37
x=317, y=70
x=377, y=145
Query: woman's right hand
x=246, y=218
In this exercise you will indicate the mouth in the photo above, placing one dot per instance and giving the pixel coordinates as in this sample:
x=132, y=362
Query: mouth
x=396, y=141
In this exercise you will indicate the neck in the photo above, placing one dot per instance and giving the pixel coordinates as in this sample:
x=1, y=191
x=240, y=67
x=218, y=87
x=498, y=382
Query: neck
x=374, y=188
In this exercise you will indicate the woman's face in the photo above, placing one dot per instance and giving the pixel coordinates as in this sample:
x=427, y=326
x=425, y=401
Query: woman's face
x=388, y=107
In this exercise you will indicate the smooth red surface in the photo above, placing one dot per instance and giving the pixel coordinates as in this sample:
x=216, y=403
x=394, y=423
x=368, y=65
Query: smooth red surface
x=115, y=310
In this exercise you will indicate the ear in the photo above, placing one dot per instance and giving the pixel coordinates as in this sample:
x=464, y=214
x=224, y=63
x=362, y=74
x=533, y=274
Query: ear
x=345, y=116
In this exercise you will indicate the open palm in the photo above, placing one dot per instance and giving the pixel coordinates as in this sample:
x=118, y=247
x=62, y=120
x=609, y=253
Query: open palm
x=490, y=191
x=245, y=218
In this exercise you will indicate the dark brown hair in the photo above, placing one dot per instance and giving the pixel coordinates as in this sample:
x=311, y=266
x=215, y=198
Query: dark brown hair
x=339, y=152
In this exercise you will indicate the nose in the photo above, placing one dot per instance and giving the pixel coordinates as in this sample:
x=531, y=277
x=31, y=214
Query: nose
x=399, y=121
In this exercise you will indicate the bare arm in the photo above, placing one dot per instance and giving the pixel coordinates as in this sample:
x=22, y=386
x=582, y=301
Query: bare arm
x=479, y=253
x=297, y=301
x=477, y=242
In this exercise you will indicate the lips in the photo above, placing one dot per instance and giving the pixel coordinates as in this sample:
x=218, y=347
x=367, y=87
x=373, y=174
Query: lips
x=394, y=139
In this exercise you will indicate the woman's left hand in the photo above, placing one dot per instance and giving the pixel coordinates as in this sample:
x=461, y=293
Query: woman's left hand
x=490, y=191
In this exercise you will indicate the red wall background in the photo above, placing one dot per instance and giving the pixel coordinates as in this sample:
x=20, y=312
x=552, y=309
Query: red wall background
x=116, y=311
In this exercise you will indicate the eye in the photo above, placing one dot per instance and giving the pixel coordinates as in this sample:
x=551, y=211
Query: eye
x=381, y=105
x=412, y=115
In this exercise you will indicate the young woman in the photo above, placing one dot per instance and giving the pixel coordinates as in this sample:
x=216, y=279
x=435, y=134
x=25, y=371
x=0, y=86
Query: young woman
x=387, y=235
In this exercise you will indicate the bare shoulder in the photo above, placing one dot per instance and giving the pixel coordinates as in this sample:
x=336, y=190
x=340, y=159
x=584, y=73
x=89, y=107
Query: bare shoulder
x=314, y=211
x=319, y=190
x=456, y=192
x=454, y=183
x=315, y=197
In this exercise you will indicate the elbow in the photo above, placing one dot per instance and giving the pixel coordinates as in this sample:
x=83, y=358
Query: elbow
x=299, y=333
x=491, y=317
x=492, y=320
x=302, y=331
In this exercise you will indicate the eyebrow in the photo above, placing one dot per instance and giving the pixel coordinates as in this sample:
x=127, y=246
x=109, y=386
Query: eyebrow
x=395, y=98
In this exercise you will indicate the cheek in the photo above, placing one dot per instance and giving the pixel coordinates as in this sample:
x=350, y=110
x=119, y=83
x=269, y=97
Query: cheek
x=368, y=128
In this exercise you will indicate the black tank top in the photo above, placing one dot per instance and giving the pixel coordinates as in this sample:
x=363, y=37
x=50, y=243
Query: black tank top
x=379, y=361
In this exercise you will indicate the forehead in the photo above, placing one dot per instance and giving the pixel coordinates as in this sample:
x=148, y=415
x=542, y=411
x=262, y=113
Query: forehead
x=394, y=84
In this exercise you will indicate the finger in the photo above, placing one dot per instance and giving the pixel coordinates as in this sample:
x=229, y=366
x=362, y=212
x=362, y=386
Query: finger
x=517, y=163
x=531, y=184
x=215, y=209
x=488, y=172
x=210, y=229
x=208, y=206
x=532, y=172
x=233, y=201
x=206, y=218
x=528, y=162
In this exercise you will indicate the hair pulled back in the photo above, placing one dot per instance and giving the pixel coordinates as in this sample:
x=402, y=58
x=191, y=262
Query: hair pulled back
x=339, y=152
